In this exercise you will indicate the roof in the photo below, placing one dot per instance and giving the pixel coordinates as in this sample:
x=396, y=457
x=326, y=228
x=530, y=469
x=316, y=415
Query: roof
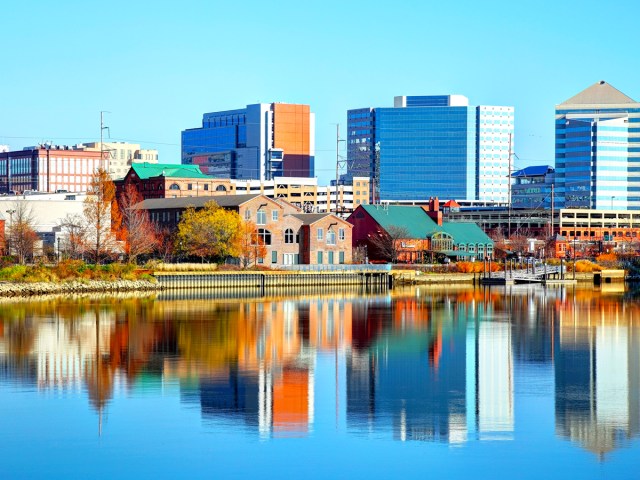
x=597, y=94
x=533, y=171
x=225, y=201
x=419, y=225
x=466, y=232
x=451, y=204
x=414, y=219
x=311, y=218
x=150, y=170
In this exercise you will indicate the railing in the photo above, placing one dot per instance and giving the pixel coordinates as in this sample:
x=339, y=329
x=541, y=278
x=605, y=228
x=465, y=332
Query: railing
x=338, y=268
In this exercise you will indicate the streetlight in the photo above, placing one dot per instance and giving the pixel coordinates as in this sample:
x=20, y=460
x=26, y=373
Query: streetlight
x=10, y=212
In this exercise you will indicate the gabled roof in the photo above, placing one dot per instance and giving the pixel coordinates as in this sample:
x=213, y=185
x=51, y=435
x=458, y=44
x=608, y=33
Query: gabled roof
x=533, y=171
x=225, y=201
x=414, y=219
x=451, y=204
x=599, y=93
x=311, y=218
x=150, y=170
x=419, y=225
x=466, y=232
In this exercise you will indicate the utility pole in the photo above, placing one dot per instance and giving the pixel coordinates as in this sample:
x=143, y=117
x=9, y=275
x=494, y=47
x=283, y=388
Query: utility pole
x=552, y=210
x=340, y=163
x=337, y=162
x=102, y=129
x=509, y=193
x=376, y=173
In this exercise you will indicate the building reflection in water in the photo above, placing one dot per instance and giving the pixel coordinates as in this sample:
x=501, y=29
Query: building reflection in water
x=597, y=376
x=418, y=364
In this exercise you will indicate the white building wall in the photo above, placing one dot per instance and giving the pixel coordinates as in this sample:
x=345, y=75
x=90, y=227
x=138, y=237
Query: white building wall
x=495, y=127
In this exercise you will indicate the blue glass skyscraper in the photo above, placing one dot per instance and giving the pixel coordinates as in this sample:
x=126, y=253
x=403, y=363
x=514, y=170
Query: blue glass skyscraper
x=598, y=150
x=428, y=146
x=259, y=142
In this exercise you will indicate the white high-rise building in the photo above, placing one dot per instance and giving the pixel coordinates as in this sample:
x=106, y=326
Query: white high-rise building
x=495, y=143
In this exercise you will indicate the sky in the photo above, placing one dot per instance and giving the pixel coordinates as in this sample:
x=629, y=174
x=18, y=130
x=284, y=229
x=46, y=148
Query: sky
x=157, y=67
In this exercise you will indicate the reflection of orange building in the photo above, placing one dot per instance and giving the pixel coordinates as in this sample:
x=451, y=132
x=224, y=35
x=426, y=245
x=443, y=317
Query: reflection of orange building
x=291, y=399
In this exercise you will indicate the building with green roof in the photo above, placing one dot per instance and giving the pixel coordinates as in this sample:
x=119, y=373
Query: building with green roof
x=415, y=234
x=172, y=180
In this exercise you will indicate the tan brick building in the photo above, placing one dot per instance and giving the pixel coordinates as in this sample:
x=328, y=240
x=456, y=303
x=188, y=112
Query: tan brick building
x=290, y=236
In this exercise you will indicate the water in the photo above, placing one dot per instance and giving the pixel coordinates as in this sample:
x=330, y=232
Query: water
x=516, y=383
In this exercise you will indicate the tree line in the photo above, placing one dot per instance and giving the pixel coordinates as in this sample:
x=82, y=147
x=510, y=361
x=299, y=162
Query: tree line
x=112, y=228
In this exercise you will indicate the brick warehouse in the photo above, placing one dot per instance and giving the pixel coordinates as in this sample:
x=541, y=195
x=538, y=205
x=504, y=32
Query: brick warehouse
x=290, y=236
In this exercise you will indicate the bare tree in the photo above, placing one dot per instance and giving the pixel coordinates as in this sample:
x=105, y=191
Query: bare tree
x=22, y=235
x=73, y=241
x=386, y=244
x=101, y=241
x=136, y=230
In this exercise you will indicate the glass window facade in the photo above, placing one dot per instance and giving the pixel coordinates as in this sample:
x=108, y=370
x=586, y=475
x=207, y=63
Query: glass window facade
x=426, y=152
x=595, y=159
x=428, y=146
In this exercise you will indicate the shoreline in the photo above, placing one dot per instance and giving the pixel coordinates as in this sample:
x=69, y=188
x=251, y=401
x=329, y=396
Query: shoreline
x=26, y=289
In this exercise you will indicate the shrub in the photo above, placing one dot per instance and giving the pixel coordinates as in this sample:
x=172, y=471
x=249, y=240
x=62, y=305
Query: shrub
x=587, y=266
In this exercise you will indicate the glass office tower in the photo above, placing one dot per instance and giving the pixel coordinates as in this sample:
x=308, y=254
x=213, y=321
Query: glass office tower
x=259, y=142
x=598, y=150
x=427, y=146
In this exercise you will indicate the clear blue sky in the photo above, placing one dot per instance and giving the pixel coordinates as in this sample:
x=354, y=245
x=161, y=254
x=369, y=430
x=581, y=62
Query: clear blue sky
x=157, y=66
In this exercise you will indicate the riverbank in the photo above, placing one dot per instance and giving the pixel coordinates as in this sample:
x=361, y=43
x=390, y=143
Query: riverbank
x=27, y=289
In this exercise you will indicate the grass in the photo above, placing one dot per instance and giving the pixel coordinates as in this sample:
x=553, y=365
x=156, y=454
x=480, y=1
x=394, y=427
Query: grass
x=69, y=270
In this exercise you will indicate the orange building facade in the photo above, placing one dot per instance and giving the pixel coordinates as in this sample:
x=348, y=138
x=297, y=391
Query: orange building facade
x=292, y=133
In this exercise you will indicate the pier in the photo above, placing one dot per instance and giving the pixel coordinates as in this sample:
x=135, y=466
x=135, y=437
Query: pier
x=303, y=276
x=531, y=273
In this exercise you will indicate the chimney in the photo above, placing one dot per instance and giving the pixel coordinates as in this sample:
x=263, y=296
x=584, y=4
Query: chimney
x=433, y=210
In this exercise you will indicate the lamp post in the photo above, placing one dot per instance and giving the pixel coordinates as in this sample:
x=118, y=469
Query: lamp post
x=10, y=212
x=574, y=257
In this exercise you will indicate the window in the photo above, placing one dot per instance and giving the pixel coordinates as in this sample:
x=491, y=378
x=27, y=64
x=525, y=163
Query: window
x=288, y=236
x=174, y=186
x=274, y=257
x=221, y=188
x=331, y=238
x=206, y=186
x=190, y=186
x=274, y=215
x=320, y=234
x=261, y=218
x=341, y=257
x=264, y=236
x=247, y=214
x=319, y=258
x=341, y=234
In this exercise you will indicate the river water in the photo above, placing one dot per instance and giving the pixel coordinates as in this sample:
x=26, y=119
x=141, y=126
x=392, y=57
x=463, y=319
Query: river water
x=507, y=382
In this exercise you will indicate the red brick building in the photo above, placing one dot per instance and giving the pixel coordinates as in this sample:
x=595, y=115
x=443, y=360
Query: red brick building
x=158, y=180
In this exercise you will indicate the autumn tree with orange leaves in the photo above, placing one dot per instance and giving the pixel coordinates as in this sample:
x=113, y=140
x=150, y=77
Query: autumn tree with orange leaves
x=135, y=229
x=252, y=246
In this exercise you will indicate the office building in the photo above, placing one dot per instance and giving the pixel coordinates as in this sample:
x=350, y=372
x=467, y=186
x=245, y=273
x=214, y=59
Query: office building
x=258, y=142
x=598, y=150
x=49, y=168
x=532, y=187
x=427, y=146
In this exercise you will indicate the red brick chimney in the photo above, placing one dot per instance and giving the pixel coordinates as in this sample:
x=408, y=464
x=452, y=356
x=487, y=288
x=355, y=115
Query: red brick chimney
x=433, y=210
